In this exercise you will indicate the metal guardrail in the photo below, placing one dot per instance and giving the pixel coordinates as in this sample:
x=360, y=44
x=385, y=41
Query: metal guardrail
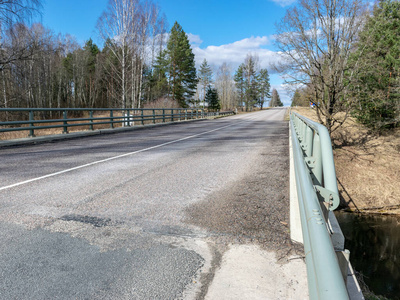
x=317, y=194
x=125, y=117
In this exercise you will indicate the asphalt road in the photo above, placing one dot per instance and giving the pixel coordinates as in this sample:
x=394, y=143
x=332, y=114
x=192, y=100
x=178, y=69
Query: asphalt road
x=144, y=214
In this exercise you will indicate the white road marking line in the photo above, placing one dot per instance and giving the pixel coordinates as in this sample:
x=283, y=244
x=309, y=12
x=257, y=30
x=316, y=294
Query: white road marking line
x=111, y=158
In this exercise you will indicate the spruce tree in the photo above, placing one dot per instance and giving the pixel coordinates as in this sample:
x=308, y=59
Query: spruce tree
x=251, y=82
x=159, y=79
x=299, y=98
x=205, y=76
x=275, y=99
x=377, y=88
x=264, y=87
x=240, y=83
x=90, y=52
x=212, y=99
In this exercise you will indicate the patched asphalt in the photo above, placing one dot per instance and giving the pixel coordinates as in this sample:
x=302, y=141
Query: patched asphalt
x=145, y=214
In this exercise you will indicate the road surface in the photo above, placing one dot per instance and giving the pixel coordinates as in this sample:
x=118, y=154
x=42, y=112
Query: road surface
x=145, y=214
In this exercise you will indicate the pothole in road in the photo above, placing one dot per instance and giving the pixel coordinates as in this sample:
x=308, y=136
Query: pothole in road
x=95, y=221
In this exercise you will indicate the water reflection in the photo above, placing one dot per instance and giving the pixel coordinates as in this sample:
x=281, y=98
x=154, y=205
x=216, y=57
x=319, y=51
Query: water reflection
x=374, y=244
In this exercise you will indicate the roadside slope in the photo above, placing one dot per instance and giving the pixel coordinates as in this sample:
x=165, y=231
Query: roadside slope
x=367, y=167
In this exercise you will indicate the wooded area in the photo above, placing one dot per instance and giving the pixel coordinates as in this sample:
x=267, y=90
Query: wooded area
x=345, y=59
x=140, y=64
x=55, y=71
x=339, y=55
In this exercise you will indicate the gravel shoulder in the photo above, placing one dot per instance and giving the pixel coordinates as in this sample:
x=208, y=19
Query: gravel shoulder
x=254, y=209
x=249, y=225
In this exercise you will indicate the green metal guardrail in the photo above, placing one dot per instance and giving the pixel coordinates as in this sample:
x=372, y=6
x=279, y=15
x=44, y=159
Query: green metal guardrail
x=126, y=117
x=317, y=194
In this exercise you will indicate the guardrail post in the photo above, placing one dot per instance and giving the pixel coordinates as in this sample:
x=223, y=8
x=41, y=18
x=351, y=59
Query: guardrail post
x=91, y=119
x=31, y=118
x=186, y=114
x=111, y=119
x=154, y=116
x=163, y=115
x=142, y=115
x=127, y=119
x=172, y=115
x=65, y=127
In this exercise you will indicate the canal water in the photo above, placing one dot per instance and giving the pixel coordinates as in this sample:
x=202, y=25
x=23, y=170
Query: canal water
x=374, y=244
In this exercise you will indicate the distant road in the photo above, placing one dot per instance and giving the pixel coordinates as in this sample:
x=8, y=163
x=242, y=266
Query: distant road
x=143, y=214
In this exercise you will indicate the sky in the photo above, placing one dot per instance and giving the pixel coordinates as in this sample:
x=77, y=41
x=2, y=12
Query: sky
x=219, y=30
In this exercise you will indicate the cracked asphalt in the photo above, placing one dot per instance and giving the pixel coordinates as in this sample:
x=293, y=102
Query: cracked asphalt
x=145, y=214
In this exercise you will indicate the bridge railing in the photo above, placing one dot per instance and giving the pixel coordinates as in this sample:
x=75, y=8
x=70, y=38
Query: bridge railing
x=317, y=194
x=32, y=118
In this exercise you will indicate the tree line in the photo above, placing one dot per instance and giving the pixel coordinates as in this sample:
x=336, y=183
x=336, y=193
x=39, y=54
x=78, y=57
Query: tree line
x=140, y=63
x=249, y=86
x=51, y=70
x=344, y=59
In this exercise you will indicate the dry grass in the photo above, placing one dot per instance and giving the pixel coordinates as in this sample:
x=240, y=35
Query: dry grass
x=53, y=131
x=367, y=167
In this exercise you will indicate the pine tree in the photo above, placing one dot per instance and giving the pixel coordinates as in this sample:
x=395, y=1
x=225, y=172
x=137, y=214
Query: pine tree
x=181, y=66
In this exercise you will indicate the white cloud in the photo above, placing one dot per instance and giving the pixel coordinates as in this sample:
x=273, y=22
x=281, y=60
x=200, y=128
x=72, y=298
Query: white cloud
x=284, y=3
x=194, y=39
x=234, y=53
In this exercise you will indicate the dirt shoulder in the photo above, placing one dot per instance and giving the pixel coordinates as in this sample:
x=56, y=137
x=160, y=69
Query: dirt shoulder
x=367, y=167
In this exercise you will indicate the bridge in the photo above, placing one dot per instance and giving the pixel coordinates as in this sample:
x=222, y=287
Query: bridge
x=193, y=210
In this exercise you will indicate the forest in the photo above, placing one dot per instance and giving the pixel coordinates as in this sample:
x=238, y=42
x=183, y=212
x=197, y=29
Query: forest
x=341, y=56
x=140, y=64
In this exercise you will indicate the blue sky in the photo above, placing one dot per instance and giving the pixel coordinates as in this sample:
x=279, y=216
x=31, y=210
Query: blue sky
x=219, y=30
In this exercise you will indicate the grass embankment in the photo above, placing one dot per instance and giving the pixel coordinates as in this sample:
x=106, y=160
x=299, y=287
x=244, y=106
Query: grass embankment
x=367, y=166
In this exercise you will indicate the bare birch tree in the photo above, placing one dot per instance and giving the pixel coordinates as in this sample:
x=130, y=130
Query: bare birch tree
x=115, y=27
x=226, y=86
x=316, y=39
x=14, y=12
x=144, y=18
